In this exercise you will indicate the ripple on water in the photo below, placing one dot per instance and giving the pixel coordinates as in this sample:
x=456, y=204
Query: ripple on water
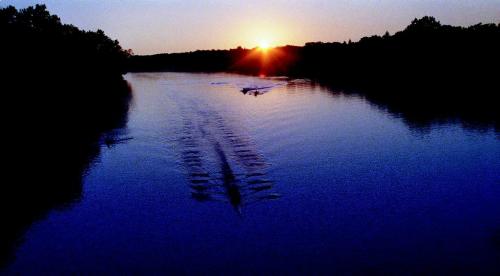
x=220, y=160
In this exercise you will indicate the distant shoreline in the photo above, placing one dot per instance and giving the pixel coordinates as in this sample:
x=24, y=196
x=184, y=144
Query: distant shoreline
x=425, y=51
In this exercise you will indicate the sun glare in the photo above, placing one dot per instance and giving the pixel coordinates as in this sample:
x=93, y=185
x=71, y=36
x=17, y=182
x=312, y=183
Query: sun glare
x=264, y=45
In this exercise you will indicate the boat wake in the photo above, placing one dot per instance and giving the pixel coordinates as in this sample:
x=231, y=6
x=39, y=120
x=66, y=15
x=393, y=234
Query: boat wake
x=221, y=162
x=256, y=87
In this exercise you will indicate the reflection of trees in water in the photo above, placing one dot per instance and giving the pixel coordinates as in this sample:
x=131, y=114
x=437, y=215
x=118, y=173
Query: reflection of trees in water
x=222, y=164
x=473, y=108
x=496, y=239
x=51, y=147
x=422, y=112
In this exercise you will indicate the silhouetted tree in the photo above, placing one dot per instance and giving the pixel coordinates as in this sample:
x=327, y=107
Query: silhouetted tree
x=62, y=88
x=425, y=23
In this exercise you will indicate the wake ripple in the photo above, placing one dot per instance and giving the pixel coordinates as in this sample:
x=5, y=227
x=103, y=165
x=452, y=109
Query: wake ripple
x=221, y=162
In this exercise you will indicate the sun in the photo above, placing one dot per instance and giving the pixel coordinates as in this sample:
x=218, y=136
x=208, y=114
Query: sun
x=264, y=44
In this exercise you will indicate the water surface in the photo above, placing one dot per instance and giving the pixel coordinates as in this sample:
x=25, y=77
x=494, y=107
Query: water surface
x=287, y=177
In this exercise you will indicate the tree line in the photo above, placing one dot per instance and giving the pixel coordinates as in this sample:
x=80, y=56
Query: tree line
x=62, y=91
x=425, y=50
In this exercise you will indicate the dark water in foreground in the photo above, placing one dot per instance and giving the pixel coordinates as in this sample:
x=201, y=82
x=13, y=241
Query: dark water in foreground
x=205, y=179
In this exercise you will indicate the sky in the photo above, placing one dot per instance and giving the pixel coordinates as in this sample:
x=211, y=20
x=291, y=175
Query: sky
x=160, y=26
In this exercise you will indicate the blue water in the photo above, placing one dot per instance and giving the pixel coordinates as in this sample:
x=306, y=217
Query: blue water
x=288, y=178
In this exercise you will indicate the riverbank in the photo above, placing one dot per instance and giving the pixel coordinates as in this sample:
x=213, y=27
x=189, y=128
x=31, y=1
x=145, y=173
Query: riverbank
x=63, y=93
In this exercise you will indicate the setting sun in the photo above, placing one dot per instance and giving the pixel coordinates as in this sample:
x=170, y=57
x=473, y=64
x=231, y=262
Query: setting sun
x=264, y=44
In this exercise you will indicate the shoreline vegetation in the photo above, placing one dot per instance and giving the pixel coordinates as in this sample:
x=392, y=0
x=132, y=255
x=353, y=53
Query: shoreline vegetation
x=63, y=94
x=427, y=73
x=425, y=49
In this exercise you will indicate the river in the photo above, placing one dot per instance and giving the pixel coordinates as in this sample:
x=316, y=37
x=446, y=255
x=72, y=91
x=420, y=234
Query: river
x=288, y=177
